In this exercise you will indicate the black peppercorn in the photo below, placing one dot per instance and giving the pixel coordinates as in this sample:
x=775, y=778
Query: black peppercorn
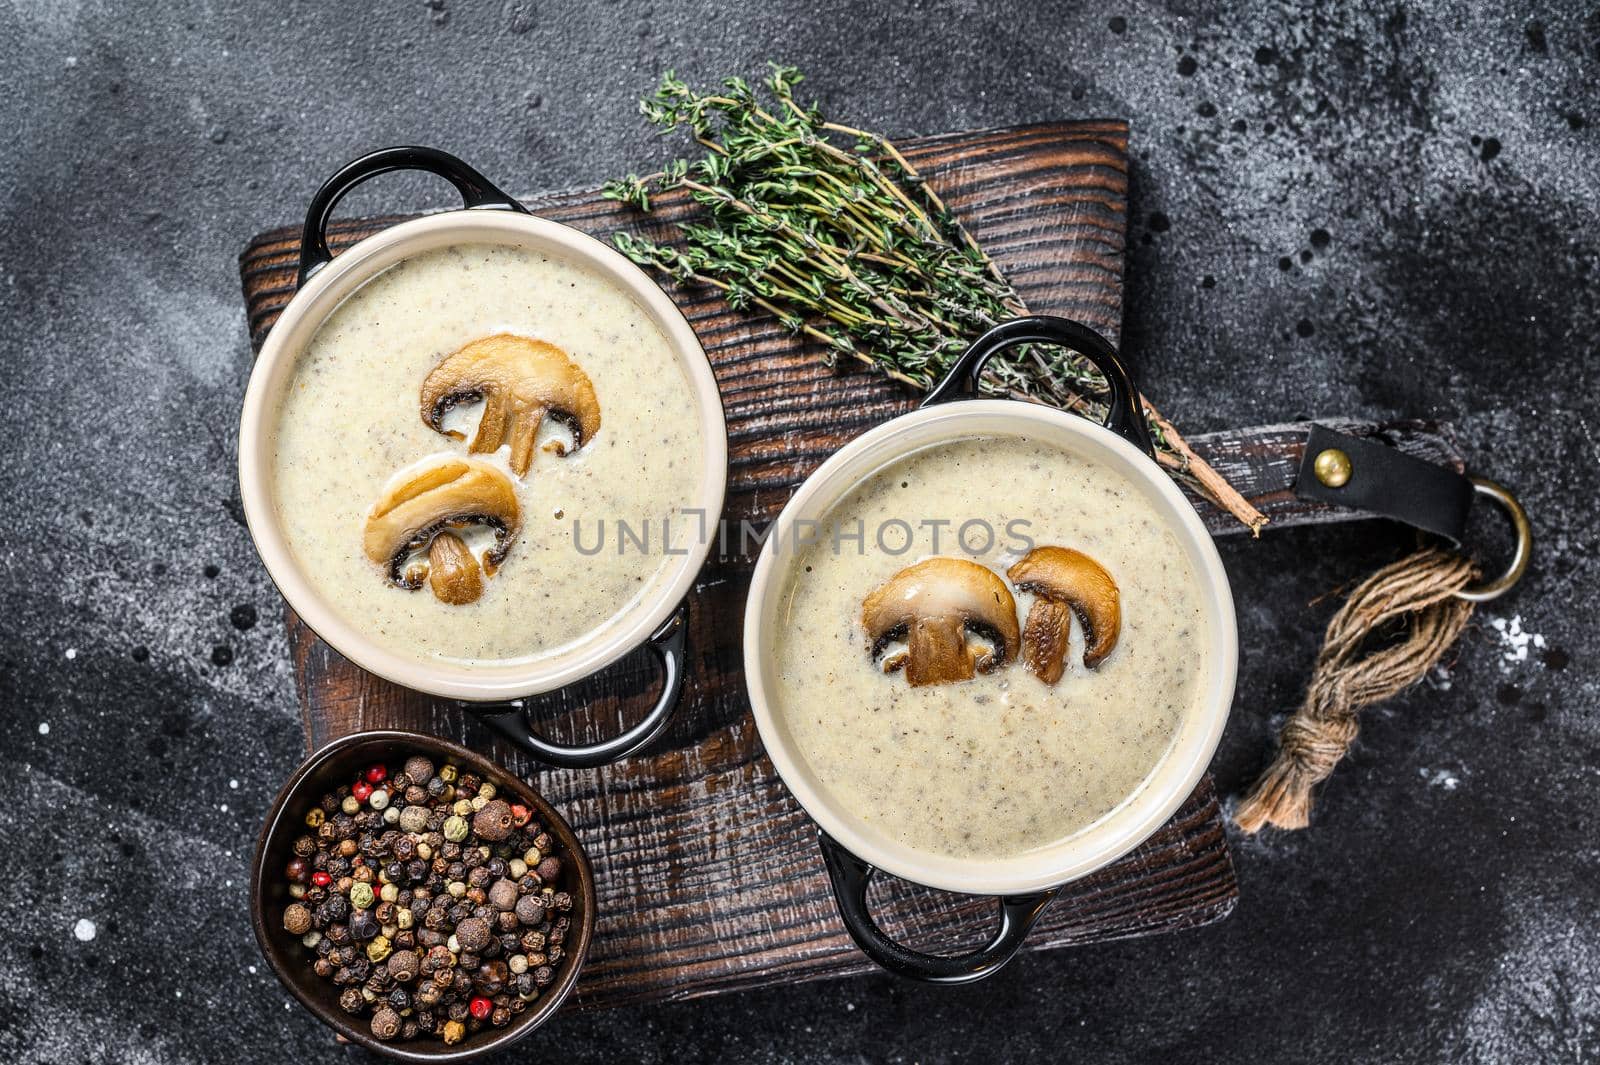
x=491, y=977
x=543, y=976
x=351, y=1000
x=337, y=934
x=363, y=925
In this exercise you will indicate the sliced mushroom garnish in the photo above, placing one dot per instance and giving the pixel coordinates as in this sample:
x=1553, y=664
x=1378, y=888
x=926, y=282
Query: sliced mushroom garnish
x=520, y=381
x=934, y=606
x=426, y=509
x=1066, y=582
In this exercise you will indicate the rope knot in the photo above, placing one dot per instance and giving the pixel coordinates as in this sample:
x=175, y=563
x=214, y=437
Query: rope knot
x=1420, y=589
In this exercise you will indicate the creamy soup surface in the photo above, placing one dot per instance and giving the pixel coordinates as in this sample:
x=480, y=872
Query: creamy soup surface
x=351, y=420
x=1002, y=764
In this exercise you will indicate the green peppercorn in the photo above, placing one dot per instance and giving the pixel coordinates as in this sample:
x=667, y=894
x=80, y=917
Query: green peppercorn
x=389, y=892
x=448, y=774
x=315, y=817
x=414, y=819
x=486, y=791
x=454, y=1031
x=517, y=868
x=360, y=895
x=378, y=949
x=404, y=919
x=455, y=828
x=350, y=804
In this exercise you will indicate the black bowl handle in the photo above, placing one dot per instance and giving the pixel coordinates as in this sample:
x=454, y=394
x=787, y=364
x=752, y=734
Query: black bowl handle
x=667, y=644
x=1123, y=416
x=851, y=877
x=475, y=189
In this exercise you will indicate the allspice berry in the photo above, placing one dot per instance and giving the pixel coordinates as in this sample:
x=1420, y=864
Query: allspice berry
x=495, y=821
x=530, y=909
x=473, y=934
x=403, y=965
x=385, y=1024
x=503, y=894
x=296, y=919
x=418, y=769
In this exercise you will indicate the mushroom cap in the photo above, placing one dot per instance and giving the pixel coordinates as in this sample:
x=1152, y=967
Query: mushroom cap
x=935, y=601
x=1063, y=579
x=427, y=500
x=520, y=380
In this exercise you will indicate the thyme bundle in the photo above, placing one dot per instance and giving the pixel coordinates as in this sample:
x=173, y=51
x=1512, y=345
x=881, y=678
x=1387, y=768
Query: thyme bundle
x=833, y=232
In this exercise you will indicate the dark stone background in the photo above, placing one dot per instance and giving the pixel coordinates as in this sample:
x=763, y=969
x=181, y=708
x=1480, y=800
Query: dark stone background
x=1443, y=905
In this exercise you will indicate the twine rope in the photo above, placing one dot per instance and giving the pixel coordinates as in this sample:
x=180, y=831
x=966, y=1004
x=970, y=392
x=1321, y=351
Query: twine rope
x=1420, y=590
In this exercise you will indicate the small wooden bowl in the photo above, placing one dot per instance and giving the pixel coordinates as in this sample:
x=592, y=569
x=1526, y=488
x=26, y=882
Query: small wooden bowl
x=338, y=763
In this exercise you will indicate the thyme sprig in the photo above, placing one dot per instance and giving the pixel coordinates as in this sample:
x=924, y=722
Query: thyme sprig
x=833, y=232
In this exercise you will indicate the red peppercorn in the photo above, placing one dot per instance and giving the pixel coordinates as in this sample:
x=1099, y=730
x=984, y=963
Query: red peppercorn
x=361, y=790
x=321, y=879
x=519, y=815
x=377, y=774
x=480, y=1007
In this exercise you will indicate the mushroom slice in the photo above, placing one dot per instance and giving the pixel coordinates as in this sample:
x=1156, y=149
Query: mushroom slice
x=520, y=381
x=423, y=509
x=934, y=606
x=1065, y=582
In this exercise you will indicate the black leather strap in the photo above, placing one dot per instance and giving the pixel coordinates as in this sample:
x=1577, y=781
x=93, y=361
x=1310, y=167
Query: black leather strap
x=1388, y=483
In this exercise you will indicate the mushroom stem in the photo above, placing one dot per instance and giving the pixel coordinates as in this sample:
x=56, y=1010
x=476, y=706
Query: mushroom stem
x=937, y=653
x=453, y=572
x=524, y=431
x=1045, y=638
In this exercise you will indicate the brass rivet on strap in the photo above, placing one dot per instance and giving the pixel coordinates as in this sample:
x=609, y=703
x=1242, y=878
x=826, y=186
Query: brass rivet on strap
x=1494, y=589
x=1332, y=467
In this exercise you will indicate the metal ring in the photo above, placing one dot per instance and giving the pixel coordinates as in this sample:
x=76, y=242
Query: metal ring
x=1494, y=589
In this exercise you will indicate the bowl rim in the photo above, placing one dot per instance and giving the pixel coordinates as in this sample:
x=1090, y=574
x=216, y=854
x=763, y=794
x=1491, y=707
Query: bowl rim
x=580, y=936
x=297, y=324
x=1157, y=798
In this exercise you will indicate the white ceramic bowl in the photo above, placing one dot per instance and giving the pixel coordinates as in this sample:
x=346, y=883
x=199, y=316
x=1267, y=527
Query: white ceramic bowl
x=1109, y=839
x=310, y=307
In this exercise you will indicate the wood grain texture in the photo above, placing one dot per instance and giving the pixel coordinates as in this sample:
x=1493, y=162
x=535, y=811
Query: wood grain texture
x=708, y=872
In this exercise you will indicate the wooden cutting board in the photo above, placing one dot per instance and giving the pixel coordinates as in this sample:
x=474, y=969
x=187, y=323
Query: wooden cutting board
x=708, y=873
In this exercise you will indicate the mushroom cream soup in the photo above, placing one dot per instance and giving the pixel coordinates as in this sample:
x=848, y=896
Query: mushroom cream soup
x=389, y=469
x=1002, y=763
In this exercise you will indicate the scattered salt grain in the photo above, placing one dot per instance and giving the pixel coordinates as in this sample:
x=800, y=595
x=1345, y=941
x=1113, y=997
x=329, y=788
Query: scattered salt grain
x=84, y=930
x=44, y=728
x=234, y=784
x=72, y=652
x=1514, y=641
x=1440, y=778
